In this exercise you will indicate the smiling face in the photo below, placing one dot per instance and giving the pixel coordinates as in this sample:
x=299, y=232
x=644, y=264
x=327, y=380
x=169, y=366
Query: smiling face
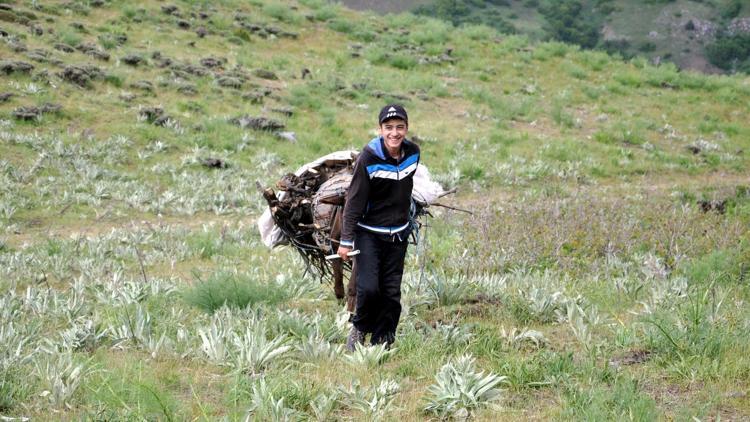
x=394, y=132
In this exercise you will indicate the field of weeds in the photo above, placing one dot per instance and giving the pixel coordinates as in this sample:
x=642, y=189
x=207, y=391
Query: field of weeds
x=603, y=274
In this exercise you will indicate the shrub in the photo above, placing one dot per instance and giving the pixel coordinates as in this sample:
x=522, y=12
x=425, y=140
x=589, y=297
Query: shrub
x=623, y=400
x=731, y=10
x=647, y=47
x=570, y=22
x=432, y=32
x=341, y=25
x=69, y=37
x=478, y=32
x=281, y=12
x=114, y=80
x=729, y=52
x=234, y=290
x=402, y=61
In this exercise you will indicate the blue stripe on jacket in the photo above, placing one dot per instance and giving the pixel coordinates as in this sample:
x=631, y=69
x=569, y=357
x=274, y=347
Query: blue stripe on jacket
x=395, y=169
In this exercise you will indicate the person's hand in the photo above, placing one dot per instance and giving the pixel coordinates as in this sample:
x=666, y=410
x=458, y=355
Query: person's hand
x=343, y=251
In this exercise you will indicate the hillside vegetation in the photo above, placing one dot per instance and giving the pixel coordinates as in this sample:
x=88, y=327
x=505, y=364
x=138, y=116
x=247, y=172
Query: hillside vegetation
x=602, y=276
x=708, y=36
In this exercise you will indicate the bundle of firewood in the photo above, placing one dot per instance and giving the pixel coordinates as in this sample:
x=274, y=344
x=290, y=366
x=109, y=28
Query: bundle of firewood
x=307, y=206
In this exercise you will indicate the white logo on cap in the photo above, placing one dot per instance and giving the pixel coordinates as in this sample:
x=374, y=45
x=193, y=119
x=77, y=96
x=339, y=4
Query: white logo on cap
x=392, y=109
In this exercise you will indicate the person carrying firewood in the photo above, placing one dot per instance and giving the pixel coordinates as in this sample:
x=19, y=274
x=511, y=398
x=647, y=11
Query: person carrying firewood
x=377, y=223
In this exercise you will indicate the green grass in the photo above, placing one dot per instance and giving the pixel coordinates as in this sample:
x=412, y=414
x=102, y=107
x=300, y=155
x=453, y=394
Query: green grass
x=118, y=244
x=232, y=290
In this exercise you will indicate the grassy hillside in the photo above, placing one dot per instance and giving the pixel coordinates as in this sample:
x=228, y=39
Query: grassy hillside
x=603, y=273
x=684, y=32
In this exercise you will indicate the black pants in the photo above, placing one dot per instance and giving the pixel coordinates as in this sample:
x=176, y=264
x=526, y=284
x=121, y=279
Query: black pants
x=380, y=266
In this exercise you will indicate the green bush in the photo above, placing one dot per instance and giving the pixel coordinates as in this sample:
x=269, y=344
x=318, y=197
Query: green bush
x=69, y=37
x=281, y=12
x=234, y=290
x=623, y=400
x=647, y=47
x=730, y=52
x=12, y=390
x=114, y=80
x=723, y=266
x=432, y=32
x=341, y=25
x=731, y=10
x=402, y=61
x=569, y=21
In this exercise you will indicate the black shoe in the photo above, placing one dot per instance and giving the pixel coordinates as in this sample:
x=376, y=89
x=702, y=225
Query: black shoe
x=355, y=337
x=387, y=339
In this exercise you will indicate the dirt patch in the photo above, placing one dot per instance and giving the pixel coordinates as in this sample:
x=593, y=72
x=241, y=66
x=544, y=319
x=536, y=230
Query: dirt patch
x=634, y=357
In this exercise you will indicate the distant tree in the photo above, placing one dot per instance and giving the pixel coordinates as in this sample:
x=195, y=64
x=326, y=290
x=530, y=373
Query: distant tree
x=452, y=10
x=731, y=10
x=469, y=12
x=730, y=52
x=569, y=21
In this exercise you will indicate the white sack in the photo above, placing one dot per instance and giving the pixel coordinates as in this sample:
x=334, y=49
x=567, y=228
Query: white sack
x=270, y=233
x=426, y=190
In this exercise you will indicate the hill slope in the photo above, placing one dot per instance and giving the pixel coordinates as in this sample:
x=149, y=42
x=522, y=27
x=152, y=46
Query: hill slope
x=121, y=242
x=694, y=35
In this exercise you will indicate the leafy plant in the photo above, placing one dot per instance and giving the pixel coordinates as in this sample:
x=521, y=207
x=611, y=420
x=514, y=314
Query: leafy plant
x=369, y=356
x=265, y=407
x=254, y=352
x=453, y=335
x=325, y=405
x=443, y=290
x=374, y=402
x=61, y=376
x=522, y=338
x=459, y=389
x=315, y=348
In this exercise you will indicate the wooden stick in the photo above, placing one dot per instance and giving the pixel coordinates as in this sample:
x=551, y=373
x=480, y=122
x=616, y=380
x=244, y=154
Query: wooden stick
x=140, y=262
x=451, y=208
x=448, y=192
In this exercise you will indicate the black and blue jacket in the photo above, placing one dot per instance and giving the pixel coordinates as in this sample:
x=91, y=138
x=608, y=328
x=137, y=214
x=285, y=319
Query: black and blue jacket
x=379, y=195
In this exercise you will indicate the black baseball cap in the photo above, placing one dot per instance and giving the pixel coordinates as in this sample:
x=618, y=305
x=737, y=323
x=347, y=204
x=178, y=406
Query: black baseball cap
x=393, y=111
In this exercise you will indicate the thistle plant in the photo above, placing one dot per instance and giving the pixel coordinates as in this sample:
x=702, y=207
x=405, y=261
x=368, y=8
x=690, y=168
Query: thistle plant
x=459, y=389
x=302, y=326
x=665, y=295
x=453, y=335
x=576, y=318
x=61, y=376
x=265, y=407
x=374, y=402
x=324, y=405
x=14, y=342
x=254, y=352
x=135, y=327
x=298, y=288
x=85, y=333
x=543, y=305
x=214, y=342
x=315, y=348
x=443, y=291
x=523, y=338
x=369, y=356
